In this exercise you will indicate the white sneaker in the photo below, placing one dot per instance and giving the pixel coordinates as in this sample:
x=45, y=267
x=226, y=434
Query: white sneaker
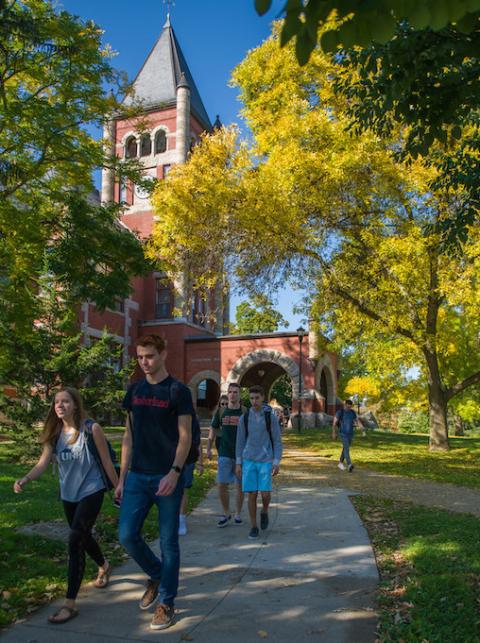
x=182, y=526
x=341, y=466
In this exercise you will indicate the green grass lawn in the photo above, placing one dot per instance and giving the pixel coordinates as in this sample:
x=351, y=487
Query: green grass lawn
x=33, y=569
x=429, y=561
x=401, y=454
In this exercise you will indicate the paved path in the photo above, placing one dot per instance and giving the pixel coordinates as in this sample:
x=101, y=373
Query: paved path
x=311, y=577
x=303, y=466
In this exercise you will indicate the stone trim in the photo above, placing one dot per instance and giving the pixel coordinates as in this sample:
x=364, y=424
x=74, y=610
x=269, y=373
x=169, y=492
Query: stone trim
x=246, y=362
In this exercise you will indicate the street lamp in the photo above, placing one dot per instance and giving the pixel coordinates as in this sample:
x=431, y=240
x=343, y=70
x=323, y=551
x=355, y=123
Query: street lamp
x=301, y=335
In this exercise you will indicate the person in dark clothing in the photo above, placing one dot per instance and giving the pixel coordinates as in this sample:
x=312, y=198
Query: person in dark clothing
x=155, y=447
x=347, y=420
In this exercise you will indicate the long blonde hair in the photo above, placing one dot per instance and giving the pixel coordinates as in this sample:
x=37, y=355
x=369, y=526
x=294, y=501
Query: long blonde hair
x=53, y=425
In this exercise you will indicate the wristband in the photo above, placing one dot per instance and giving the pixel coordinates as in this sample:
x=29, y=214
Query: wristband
x=176, y=469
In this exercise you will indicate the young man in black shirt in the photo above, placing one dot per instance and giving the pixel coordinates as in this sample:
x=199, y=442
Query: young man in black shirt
x=154, y=449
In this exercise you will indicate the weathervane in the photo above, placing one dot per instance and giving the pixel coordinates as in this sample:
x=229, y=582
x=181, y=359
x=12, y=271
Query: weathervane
x=169, y=4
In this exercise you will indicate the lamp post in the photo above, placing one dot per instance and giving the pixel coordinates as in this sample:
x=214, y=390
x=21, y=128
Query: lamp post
x=301, y=335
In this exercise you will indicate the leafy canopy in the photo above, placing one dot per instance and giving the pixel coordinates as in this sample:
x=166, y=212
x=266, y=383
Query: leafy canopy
x=257, y=316
x=363, y=21
x=334, y=210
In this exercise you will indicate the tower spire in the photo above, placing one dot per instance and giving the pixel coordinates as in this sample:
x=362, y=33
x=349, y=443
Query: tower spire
x=169, y=4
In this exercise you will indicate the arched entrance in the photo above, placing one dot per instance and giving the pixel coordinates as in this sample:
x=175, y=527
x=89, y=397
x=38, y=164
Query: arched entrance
x=325, y=384
x=205, y=388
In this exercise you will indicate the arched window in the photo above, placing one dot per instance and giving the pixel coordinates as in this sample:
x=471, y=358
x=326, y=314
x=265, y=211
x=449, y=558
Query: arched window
x=160, y=142
x=131, y=148
x=145, y=145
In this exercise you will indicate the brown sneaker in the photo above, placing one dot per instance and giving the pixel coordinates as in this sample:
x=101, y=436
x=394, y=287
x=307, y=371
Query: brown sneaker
x=150, y=594
x=163, y=617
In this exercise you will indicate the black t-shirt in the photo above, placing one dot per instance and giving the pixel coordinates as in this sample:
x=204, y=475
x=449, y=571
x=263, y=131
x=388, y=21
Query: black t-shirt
x=155, y=409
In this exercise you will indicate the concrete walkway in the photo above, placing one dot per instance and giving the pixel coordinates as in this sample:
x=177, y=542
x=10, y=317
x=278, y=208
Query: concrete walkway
x=312, y=576
x=302, y=467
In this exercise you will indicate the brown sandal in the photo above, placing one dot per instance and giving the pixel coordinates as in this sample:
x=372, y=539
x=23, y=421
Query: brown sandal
x=103, y=577
x=72, y=612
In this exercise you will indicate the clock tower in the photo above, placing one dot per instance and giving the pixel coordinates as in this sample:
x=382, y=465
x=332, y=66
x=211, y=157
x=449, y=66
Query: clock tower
x=173, y=118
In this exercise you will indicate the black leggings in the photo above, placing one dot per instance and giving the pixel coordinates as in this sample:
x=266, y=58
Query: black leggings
x=81, y=517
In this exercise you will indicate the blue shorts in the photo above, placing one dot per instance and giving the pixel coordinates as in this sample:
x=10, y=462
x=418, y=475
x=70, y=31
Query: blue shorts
x=226, y=470
x=256, y=476
x=188, y=470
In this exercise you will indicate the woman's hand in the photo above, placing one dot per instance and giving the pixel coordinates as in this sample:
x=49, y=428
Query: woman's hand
x=18, y=484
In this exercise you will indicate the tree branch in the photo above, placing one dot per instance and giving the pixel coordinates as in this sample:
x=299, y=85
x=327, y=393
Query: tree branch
x=359, y=305
x=461, y=386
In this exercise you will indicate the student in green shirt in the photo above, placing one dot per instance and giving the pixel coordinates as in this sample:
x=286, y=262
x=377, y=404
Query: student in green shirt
x=224, y=425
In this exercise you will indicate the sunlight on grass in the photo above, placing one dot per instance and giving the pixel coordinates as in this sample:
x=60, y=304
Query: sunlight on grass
x=401, y=454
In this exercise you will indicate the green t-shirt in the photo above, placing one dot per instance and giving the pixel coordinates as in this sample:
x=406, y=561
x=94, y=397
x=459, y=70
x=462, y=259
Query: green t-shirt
x=227, y=431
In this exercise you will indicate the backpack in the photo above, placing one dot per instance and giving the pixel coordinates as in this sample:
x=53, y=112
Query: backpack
x=192, y=456
x=268, y=422
x=92, y=447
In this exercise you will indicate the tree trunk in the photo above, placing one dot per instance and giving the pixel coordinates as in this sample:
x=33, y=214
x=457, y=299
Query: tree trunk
x=438, y=417
x=458, y=423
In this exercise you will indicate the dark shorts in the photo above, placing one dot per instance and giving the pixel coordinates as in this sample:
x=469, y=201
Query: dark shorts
x=188, y=470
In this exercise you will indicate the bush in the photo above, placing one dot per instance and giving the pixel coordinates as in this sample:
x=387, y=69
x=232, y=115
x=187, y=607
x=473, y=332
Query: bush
x=412, y=421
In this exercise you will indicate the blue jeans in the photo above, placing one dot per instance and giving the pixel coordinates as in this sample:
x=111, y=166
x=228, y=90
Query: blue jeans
x=138, y=498
x=346, y=442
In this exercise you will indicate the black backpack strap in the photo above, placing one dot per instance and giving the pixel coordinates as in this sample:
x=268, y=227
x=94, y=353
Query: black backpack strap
x=268, y=423
x=245, y=424
x=174, y=396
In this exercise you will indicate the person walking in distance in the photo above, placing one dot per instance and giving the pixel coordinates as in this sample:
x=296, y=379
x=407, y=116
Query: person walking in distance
x=85, y=469
x=347, y=419
x=190, y=469
x=222, y=405
x=155, y=446
x=258, y=455
x=225, y=423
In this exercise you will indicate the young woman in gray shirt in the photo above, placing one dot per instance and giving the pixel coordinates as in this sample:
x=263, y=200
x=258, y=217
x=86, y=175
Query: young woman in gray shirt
x=82, y=487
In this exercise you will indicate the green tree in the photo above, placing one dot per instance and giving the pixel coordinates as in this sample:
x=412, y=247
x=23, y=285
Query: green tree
x=361, y=22
x=429, y=84
x=343, y=215
x=51, y=355
x=54, y=75
x=282, y=391
x=419, y=67
x=257, y=316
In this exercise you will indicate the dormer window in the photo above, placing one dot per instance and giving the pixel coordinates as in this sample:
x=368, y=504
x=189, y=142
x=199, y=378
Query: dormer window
x=160, y=142
x=145, y=145
x=131, y=148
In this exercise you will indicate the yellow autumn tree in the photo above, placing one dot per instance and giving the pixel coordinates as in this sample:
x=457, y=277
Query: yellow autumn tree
x=314, y=202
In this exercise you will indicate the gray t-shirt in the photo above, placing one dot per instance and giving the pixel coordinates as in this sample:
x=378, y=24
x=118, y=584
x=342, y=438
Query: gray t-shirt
x=79, y=473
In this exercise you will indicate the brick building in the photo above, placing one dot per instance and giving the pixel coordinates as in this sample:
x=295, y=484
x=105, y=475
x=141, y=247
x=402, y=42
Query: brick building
x=200, y=352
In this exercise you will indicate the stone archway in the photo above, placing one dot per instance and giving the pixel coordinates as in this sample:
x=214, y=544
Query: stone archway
x=203, y=375
x=255, y=358
x=213, y=391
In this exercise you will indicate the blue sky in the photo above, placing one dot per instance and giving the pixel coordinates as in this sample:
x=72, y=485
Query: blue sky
x=215, y=36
